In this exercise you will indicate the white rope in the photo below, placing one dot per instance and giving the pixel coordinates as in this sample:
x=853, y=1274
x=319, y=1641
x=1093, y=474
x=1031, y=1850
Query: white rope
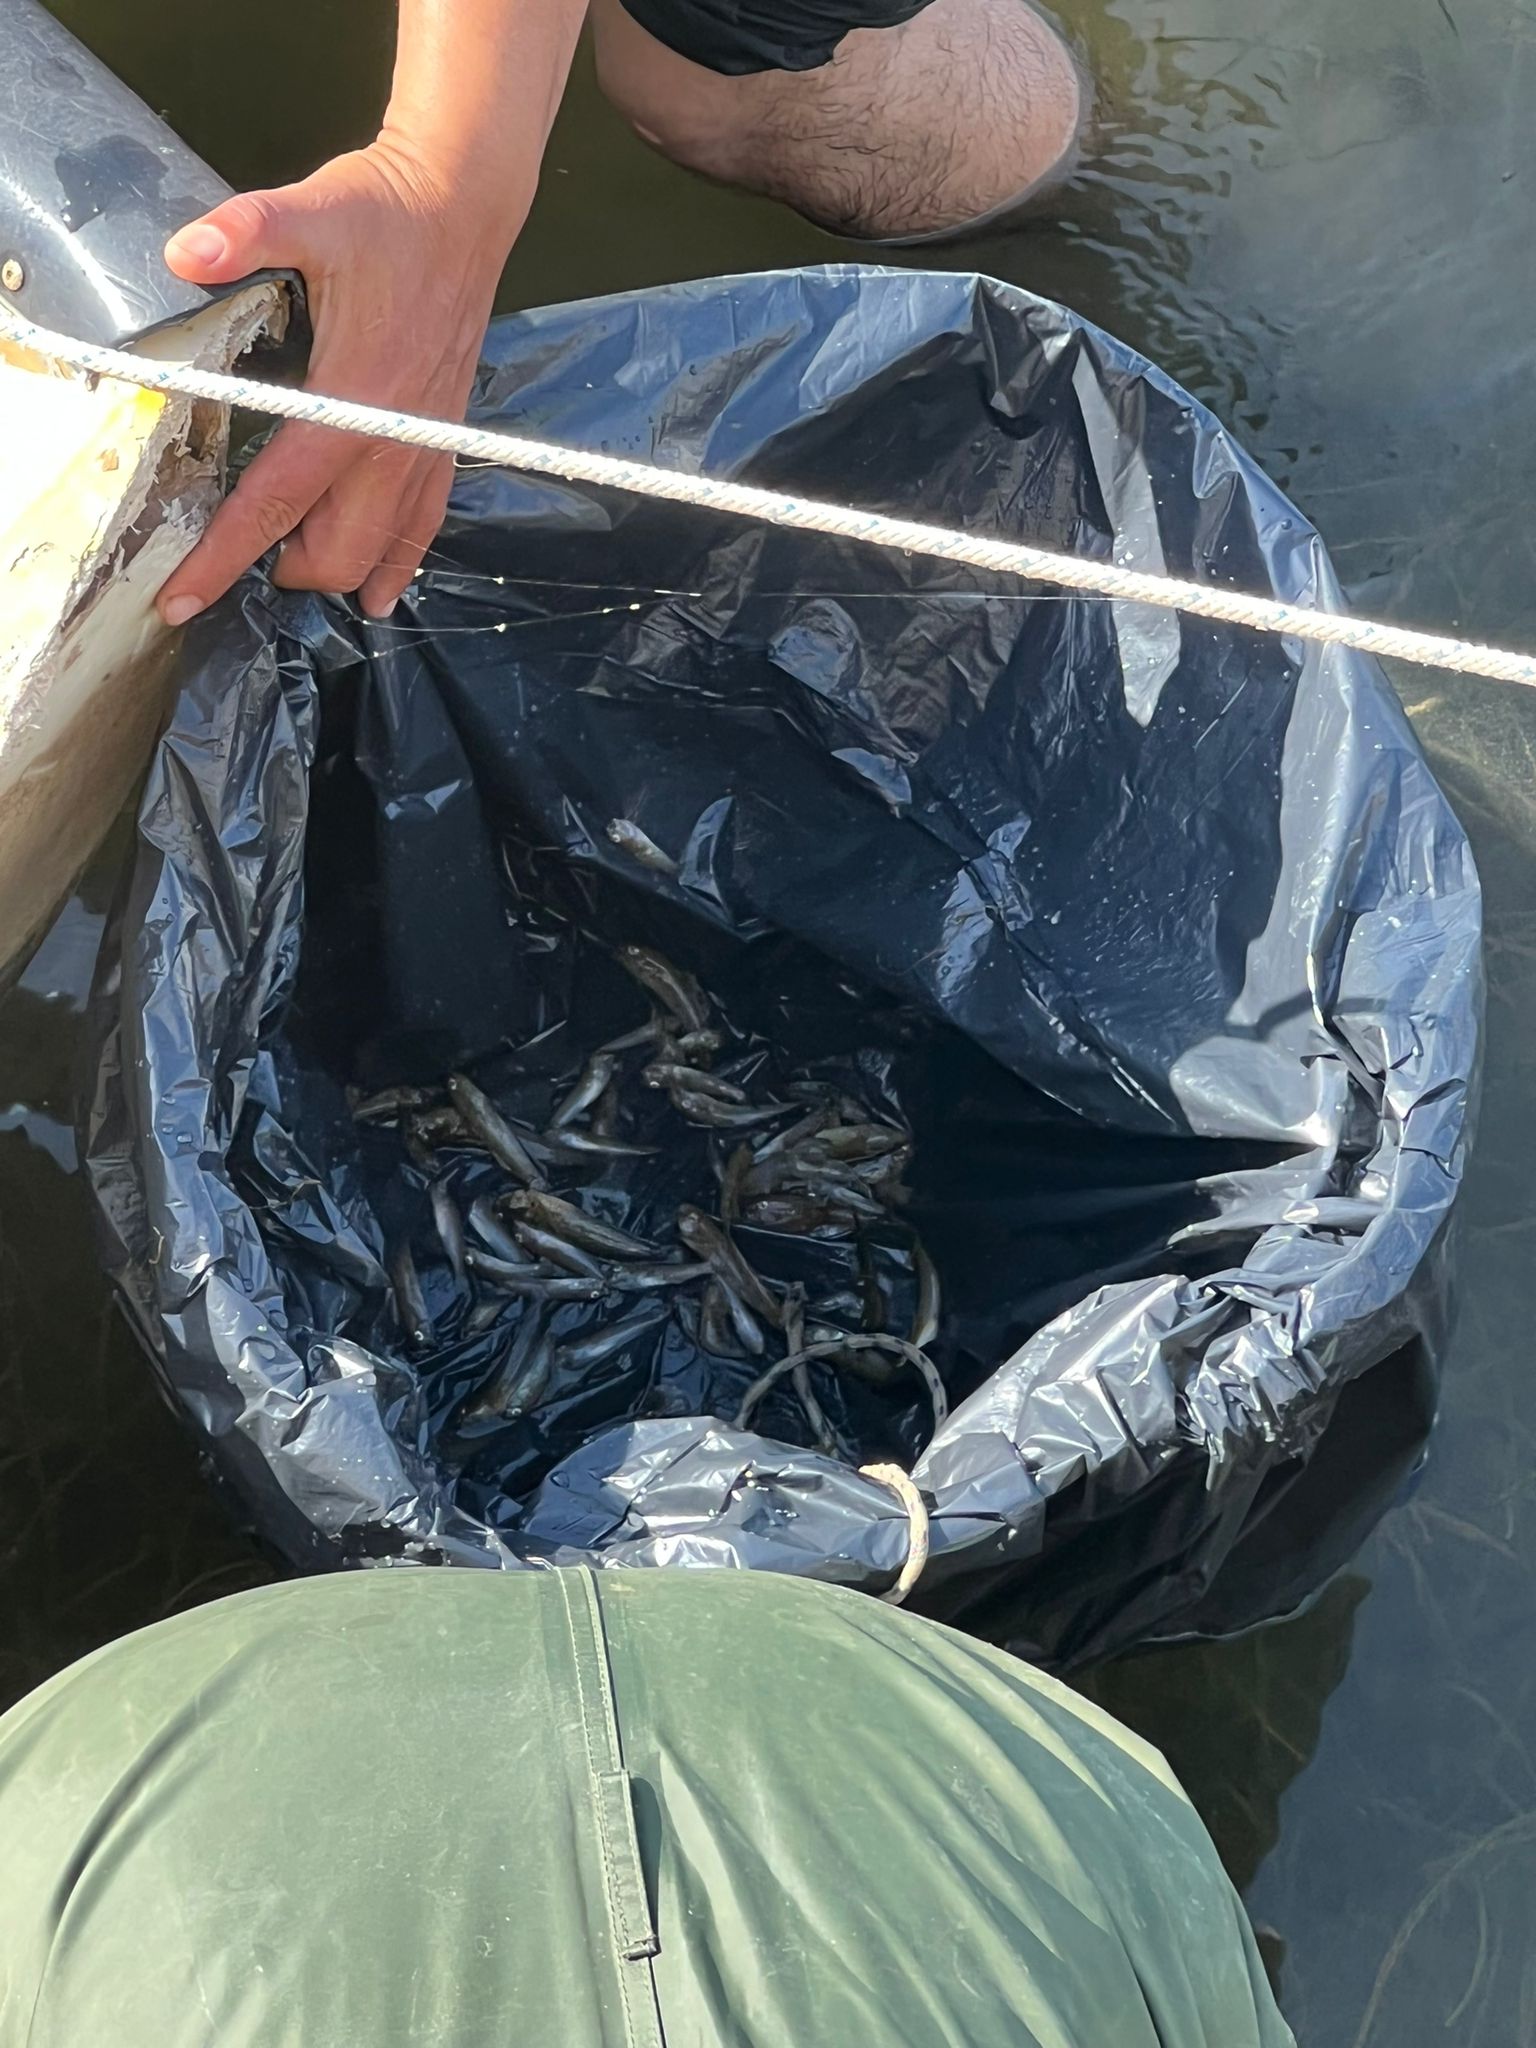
x=902, y=1485
x=774, y=508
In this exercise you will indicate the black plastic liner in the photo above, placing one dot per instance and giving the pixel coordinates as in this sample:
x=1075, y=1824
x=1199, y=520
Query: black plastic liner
x=1157, y=934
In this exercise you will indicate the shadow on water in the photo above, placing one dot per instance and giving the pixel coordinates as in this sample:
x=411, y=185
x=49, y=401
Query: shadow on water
x=1318, y=218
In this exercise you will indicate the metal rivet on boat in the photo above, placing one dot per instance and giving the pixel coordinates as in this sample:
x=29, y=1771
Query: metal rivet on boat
x=12, y=275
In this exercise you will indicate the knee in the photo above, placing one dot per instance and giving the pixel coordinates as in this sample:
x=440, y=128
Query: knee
x=973, y=106
x=868, y=146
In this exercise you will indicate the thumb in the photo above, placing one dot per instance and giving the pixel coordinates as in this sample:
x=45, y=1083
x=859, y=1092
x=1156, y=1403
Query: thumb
x=253, y=231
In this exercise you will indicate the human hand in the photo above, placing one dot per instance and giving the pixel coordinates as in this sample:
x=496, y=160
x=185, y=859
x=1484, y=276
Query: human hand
x=401, y=276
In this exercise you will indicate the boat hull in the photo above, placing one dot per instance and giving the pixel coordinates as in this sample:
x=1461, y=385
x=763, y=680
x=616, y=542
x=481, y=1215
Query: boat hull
x=103, y=490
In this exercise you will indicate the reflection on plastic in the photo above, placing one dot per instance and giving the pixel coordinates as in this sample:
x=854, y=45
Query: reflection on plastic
x=1174, y=977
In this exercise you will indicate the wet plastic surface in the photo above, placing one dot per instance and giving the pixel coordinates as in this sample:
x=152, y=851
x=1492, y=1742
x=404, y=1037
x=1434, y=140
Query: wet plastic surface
x=1160, y=935
x=92, y=184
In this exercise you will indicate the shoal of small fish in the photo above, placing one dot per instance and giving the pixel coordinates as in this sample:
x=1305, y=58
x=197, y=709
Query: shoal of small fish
x=817, y=1162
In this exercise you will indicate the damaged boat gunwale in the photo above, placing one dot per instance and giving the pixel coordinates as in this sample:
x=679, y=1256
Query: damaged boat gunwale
x=104, y=488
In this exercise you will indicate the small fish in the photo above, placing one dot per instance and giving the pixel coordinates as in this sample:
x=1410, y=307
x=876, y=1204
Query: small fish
x=733, y=1180
x=822, y=1432
x=872, y=1293
x=695, y=1045
x=450, y=1227
x=669, y=1074
x=491, y=1129
x=575, y=1226
x=678, y=993
x=537, y=1283
x=521, y=1383
x=391, y=1103
x=745, y=1325
x=793, y=1135
x=421, y=1131
x=925, y=1323
x=440, y=1126
x=715, y=1115
x=410, y=1301
x=626, y=835
x=493, y=1233
x=705, y=1238
x=484, y=1313
x=555, y=1251
x=798, y=1216
x=715, y=1331
x=533, y=1385
x=824, y=1333
x=794, y=1174
x=601, y=1344
x=595, y=1077
x=794, y=1318
x=643, y=1034
x=603, y=1123
x=844, y=1302
x=852, y=1111
x=779, y=1174
x=843, y=1193
x=859, y=1142
x=877, y=1174
x=570, y=1144
x=668, y=1273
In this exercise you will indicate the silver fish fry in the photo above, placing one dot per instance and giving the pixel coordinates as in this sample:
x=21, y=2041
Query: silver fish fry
x=388, y=1104
x=673, y=1074
x=487, y=1124
x=714, y=1115
x=557, y=1251
x=575, y=1226
x=593, y=1348
x=627, y=836
x=678, y=993
x=410, y=1301
x=521, y=1383
x=705, y=1238
x=450, y=1226
x=487, y=1225
x=537, y=1283
x=595, y=1077
x=574, y=1144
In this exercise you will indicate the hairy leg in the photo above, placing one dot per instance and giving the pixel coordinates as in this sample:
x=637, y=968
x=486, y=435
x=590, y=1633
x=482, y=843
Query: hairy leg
x=910, y=131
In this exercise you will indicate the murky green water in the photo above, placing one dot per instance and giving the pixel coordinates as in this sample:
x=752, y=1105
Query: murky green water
x=1320, y=218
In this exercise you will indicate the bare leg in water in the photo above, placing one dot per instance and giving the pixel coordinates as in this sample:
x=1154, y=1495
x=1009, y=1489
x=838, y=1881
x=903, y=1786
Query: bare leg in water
x=910, y=132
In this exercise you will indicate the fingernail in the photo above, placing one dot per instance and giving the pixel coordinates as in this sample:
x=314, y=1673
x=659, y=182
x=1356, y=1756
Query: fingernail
x=381, y=611
x=180, y=609
x=199, y=245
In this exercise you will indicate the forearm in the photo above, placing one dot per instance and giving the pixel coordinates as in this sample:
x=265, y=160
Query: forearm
x=476, y=88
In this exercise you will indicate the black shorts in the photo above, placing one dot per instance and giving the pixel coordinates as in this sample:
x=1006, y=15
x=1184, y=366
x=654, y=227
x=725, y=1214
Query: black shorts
x=738, y=36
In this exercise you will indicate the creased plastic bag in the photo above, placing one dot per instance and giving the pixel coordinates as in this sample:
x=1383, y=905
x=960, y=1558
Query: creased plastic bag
x=1157, y=935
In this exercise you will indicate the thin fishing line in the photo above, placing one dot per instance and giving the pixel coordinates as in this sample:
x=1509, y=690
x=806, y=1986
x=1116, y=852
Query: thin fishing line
x=780, y=509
